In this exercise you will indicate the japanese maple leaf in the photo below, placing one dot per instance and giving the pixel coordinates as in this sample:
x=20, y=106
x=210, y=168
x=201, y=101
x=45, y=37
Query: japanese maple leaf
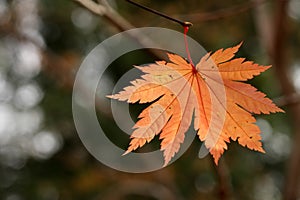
x=211, y=92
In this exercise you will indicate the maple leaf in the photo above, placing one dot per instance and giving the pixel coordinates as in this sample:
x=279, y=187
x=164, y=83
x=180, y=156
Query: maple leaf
x=211, y=91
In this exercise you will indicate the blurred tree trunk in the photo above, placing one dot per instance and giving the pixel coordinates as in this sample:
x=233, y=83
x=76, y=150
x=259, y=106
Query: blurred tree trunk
x=274, y=39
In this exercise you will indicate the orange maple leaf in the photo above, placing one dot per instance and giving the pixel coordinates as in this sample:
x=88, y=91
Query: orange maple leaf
x=211, y=91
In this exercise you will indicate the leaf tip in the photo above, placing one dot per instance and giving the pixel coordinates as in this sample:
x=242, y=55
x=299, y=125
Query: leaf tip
x=216, y=156
x=216, y=161
x=138, y=67
x=268, y=66
x=261, y=150
x=165, y=164
x=237, y=47
x=240, y=44
x=126, y=152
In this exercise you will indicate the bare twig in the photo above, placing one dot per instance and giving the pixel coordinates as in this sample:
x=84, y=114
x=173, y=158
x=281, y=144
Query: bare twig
x=94, y=7
x=264, y=26
x=288, y=100
x=137, y=187
x=115, y=19
x=223, y=13
x=182, y=23
x=224, y=187
x=104, y=10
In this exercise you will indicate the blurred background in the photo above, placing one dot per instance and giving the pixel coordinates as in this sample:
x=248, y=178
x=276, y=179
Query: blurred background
x=43, y=42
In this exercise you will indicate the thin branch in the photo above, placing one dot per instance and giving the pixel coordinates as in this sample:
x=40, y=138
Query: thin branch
x=114, y=18
x=92, y=6
x=224, y=187
x=104, y=2
x=104, y=10
x=143, y=188
x=290, y=100
x=182, y=23
x=264, y=26
x=223, y=13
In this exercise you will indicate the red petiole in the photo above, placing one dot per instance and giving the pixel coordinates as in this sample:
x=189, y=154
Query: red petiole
x=186, y=26
x=185, y=30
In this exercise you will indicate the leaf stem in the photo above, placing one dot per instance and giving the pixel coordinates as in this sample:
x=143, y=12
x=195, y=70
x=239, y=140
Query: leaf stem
x=186, y=29
x=186, y=25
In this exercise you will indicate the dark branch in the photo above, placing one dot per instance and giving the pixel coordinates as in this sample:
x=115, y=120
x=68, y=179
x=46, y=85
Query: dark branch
x=223, y=13
x=182, y=23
